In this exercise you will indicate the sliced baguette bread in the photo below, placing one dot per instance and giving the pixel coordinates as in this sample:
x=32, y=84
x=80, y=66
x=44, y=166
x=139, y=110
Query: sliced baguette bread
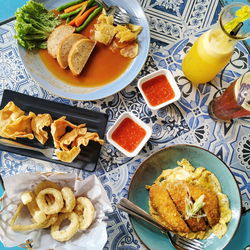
x=64, y=48
x=79, y=55
x=56, y=36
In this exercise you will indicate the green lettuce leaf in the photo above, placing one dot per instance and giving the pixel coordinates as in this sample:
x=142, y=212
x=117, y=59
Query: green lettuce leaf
x=33, y=25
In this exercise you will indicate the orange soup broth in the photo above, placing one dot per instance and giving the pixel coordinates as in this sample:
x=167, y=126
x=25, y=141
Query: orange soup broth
x=103, y=66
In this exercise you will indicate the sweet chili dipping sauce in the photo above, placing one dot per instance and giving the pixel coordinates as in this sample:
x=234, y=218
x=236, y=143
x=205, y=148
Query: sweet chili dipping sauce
x=158, y=90
x=128, y=134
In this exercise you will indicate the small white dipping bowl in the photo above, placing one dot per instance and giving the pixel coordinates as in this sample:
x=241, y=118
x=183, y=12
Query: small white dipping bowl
x=140, y=123
x=171, y=81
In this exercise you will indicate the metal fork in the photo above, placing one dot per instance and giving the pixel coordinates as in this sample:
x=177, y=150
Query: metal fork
x=48, y=152
x=121, y=16
x=176, y=240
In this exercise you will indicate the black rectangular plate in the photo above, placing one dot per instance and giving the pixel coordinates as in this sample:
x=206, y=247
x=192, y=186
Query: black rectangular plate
x=95, y=122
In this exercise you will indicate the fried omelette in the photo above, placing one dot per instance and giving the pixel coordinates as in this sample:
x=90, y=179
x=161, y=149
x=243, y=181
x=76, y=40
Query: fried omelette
x=189, y=201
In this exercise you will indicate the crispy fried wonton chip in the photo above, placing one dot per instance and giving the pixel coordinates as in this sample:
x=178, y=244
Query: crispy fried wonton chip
x=58, y=129
x=68, y=143
x=37, y=125
x=68, y=156
x=84, y=139
x=69, y=137
x=9, y=114
x=21, y=127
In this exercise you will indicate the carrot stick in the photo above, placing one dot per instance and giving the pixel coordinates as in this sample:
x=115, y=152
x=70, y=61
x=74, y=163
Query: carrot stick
x=72, y=22
x=83, y=17
x=74, y=7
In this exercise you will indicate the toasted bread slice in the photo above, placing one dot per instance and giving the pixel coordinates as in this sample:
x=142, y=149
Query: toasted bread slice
x=64, y=48
x=56, y=36
x=79, y=55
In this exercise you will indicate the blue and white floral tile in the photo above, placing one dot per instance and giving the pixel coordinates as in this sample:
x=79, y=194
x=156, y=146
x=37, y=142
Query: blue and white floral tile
x=181, y=122
x=174, y=20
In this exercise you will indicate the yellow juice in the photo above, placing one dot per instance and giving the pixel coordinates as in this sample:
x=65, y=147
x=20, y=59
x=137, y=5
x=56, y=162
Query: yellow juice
x=208, y=56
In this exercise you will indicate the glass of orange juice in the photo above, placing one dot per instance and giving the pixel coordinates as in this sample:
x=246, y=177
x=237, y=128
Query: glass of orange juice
x=212, y=50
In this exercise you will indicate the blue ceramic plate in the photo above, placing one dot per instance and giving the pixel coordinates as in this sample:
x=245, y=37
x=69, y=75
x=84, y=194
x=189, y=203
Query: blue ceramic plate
x=47, y=80
x=165, y=159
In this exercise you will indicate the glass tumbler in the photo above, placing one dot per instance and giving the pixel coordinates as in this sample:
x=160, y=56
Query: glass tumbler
x=234, y=102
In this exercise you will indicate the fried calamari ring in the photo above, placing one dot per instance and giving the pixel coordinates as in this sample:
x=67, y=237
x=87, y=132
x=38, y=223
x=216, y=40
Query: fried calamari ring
x=50, y=220
x=26, y=197
x=17, y=227
x=47, y=184
x=53, y=208
x=70, y=231
x=86, y=212
x=69, y=200
x=38, y=215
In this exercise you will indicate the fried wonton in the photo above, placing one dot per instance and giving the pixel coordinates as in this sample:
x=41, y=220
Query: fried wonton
x=9, y=114
x=104, y=29
x=68, y=156
x=21, y=127
x=58, y=129
x=37, y=125
x=127, y=33
x=130, y=51
x=84, y=139
x=69, y=137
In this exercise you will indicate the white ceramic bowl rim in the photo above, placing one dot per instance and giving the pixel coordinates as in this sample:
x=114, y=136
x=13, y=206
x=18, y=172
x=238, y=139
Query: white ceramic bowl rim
x=140, y=123
x=171, y=81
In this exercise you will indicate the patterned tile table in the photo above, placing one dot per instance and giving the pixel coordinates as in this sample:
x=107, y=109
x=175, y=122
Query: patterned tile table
x=174, y=23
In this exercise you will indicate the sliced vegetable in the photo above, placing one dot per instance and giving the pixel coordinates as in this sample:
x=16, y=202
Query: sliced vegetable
x=66, y=5
x=33, y=25
x=84, y=16
x=66, y=15
x=193, y=209
x=74, y=7
x=72, y=22
x=89, y=19
x=68, y=19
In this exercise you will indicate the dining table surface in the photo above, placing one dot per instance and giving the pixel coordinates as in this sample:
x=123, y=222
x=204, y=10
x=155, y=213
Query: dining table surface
x=174, y=25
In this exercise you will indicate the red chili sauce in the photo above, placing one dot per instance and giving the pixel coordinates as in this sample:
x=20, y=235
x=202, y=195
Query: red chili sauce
x=158, y=90
x=128, y=134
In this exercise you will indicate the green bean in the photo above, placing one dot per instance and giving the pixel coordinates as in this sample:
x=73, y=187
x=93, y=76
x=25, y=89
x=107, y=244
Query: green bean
x=91, y=3
x=66, y=15
x=66, y=5
x=68, y=19
x=89, y=19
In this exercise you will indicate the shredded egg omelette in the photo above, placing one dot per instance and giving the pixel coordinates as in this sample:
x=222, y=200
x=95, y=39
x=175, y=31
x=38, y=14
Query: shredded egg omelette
x=202, y=177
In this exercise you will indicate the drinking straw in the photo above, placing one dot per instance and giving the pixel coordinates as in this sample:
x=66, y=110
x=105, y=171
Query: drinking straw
x=236, y=29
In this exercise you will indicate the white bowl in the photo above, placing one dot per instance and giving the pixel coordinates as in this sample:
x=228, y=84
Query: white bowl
x=171, y=81
x=140, y=123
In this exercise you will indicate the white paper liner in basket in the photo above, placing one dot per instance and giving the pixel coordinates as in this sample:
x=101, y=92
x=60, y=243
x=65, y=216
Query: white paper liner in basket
x=94, y=237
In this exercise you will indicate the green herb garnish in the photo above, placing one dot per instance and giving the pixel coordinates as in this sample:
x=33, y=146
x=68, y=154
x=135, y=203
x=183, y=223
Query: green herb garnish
x=193, y=210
